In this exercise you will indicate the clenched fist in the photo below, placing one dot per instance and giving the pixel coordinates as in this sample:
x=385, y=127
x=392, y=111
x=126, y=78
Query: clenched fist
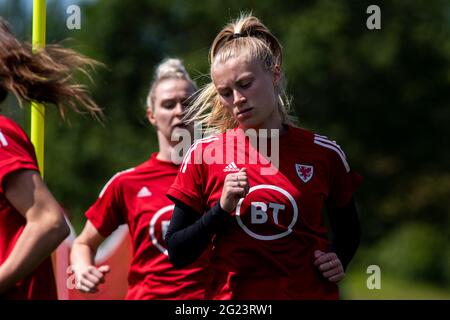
x=235, y=187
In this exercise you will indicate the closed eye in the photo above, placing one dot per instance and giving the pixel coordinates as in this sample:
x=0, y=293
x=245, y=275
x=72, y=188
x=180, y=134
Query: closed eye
x=225, y=93
x=245, y=85
x=169, y=104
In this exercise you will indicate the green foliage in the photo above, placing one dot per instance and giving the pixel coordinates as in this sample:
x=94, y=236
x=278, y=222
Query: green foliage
x=354, y=287
x=382, y=94
x=413, y=252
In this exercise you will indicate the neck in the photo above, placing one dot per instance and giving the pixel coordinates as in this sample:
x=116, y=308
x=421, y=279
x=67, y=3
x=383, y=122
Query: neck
x=165, y=148
x=273, y=123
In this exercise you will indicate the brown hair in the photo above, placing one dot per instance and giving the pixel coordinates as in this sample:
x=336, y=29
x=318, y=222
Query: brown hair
x=45, y=76
x=245, y=35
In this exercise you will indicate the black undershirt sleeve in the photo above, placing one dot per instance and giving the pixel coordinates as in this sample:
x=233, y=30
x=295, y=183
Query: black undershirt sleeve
x=346, y=230
x=190, y=233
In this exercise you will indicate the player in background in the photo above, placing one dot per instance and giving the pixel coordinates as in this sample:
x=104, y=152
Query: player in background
x=137, y=197
x=32, y=224
x=270, y=240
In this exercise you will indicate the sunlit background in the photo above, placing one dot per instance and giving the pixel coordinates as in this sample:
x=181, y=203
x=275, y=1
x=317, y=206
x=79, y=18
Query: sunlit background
x=383, y=95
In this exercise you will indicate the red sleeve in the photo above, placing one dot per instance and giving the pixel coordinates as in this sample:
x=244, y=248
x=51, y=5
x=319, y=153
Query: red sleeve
x=106, y=213
x=16, y=151
x=344, y=181
x=187, y=187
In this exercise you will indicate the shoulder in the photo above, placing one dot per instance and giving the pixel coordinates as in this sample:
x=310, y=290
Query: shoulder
x=10, y=130
x=15, y=146
x=196, y=150
x=321, y=144
x=117, y=180
x=141, y=168
x=298, y=133
x=300, y=137
x=16, y=150
x=208, y=141
x=332, y=149
x=7, y=122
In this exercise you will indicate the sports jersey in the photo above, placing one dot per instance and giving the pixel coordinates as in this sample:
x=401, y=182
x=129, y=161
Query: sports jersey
x=137, y=197
x=17, y=153
x=267, y=250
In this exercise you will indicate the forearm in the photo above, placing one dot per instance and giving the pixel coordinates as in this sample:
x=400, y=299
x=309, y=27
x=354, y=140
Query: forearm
x=82, y=255
x=189, y=235
x=346, y=232
x=36, y=243
x=84, y=249
x=82, y=259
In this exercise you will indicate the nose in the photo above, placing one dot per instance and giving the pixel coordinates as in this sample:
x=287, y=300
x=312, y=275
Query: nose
x=238, y=98
x=178, y=109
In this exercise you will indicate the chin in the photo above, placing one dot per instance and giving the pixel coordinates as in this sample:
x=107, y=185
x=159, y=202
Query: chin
x=249, y=124
x=179, y=132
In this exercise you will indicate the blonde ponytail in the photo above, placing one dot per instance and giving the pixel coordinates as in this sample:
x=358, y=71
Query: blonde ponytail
x=245, y=35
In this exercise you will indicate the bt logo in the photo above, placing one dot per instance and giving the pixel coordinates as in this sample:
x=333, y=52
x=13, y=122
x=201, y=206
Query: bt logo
x=276, y=219
x=259, y=211
x=159, y=225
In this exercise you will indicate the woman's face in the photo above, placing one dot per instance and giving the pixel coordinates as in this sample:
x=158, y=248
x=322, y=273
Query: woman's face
x=248, y=92
x=171, y=99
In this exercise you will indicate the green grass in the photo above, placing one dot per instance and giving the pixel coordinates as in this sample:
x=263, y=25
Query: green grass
x=354, y=287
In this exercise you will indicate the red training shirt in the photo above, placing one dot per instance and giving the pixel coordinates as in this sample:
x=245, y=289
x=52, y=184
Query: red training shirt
x=267, y=251
x=137, y=197
x=17, y=153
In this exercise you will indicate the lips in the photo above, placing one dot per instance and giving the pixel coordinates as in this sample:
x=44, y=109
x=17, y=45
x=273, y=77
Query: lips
x=179, y=125
x=244, y=113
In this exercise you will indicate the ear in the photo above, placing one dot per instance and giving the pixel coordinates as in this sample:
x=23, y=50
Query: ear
x=151, y=116
x=276, y=75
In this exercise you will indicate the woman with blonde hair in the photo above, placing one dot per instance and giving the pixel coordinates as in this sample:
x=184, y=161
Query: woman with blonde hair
x=32, y=224
x=136, y=197
x=269, y=238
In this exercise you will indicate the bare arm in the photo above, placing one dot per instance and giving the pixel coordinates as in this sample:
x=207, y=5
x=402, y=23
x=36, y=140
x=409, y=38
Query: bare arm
x=45, y=225
x=82, y=258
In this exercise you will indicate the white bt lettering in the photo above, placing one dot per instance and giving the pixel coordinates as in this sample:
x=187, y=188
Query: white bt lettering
x=276, y=207
x=259, y=213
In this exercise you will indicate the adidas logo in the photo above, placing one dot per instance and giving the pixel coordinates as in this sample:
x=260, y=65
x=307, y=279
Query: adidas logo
x=231, y=168
x=144, y=192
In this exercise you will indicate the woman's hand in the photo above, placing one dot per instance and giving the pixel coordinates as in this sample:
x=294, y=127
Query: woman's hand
x=235, y=187
x=329, y=264
x=90, y=278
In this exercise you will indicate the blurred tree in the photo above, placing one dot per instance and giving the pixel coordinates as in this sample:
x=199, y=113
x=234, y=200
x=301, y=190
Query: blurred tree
x=382, y=94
